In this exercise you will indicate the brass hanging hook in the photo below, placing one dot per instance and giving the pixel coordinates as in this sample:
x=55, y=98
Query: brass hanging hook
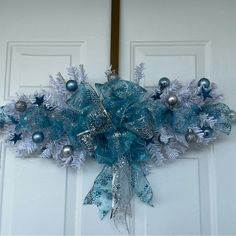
x=115, y=35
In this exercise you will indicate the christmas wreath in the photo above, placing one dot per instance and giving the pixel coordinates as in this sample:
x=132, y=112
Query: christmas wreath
x=123, y=126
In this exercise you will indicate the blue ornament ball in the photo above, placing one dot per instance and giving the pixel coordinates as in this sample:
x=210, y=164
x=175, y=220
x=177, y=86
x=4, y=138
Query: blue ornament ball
x=207, y=132
x=38, y=137
x=204, y=82
x=164, y=83
x=71, y=85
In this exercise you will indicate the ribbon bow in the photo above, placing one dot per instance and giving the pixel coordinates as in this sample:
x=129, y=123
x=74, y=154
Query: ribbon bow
x=113, y=129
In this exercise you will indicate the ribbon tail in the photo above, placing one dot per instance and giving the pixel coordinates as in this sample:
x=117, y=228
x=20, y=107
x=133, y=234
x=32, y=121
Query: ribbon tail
x=140, y=184
x=101, y=192
x=121, y=192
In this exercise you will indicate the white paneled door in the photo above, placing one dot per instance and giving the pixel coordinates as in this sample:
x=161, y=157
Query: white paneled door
x=184, y=39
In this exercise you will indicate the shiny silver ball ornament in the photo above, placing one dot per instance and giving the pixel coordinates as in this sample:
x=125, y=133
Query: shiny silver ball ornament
x=204, y=82
x=172, y=100
x=38, y=137
x=190, y=136
x=207, y=132
x=164, y=83
x=67, y=150
x=21, y=106
x=71, y=85
x=232, y=115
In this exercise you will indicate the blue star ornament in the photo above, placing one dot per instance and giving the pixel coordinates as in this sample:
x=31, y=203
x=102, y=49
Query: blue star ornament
x=205, y=93
x=16, y=138
x=39, y=100
x=157, y=95
x=148, y=141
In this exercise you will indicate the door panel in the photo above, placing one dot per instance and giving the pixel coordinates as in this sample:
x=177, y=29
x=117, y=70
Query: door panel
x=185, y=40
x=38, y=38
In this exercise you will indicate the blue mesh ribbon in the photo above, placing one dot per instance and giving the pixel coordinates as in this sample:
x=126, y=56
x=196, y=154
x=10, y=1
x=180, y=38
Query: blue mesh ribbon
x=221, y=113
x=2, y=117
x=113, y=126
x=101, y=194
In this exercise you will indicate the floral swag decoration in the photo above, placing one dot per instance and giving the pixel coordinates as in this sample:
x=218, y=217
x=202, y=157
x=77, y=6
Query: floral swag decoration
x=123, y=126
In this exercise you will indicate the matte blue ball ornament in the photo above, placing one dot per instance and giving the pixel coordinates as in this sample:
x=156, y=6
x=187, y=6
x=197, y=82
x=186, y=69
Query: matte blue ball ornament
x=71, y=85
x=204, y=82
x=38, y=137
x=207, y=132
x=164, y=83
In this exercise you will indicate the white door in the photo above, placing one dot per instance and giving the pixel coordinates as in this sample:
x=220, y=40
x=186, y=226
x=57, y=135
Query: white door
x=183, y=39
x=186, y=39
x=38, y=38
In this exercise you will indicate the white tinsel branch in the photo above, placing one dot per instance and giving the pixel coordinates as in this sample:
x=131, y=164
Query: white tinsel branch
x=77, y=73
x=206, y=120
x=155, y=153
x=139, y=73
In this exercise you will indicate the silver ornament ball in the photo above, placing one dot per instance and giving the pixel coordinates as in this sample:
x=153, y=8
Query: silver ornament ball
x=172, y=100
x=67, y=150
x=232, y=115
x=21, y=106
x=190, y=136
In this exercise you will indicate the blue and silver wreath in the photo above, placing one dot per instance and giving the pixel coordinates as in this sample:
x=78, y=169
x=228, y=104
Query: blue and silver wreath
x=121, y=125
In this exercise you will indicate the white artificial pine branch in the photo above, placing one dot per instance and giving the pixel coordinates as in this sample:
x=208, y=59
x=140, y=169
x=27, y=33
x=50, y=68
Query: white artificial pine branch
x=83, y=75
x=26, y=146
x=181, y=139
x=200, y=136
x=206, y=120
x=175, y=85
x=216, y=96
x=188, y=94
x=54, y=150
x=77, y=73
x=173, y=88
x=171, y=153
x=109, y=72
x=165, y=136
x=58, y=84
x=139, y=73
x=156, y=156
